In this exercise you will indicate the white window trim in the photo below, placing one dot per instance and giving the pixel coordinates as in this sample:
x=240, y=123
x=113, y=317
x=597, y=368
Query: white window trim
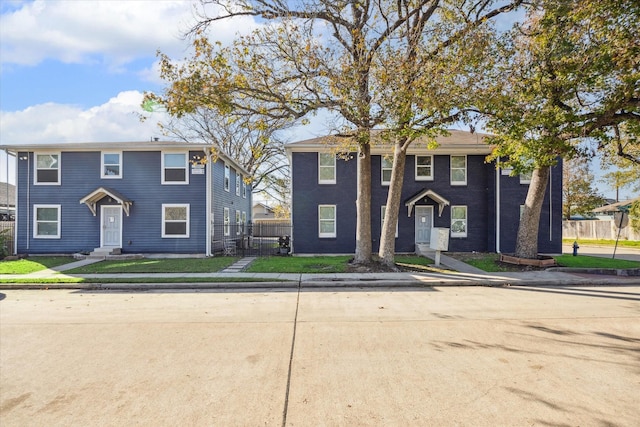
x=244, y=187
x=188, y=220
x=466, y=221
x=186, y=168
x=35, y=167
x=466, y=170
x=227, y=178
x=35, y=222
x=383, y=209
x=526, y=179
x=382, y=169
x=320, y=166
x=237, y=175
x=421, y=177
x=226, y=219
x=335, y=220
x=102, y=165
x=238, y=223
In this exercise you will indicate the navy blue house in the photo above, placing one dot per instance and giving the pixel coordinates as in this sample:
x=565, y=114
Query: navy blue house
x=136, y=197
x=451, y=186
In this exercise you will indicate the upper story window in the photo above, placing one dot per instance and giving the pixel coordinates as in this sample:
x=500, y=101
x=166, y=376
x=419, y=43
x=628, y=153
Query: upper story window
x=326, y=168
x=244, y=189
x=525, y=177
x=111, y=165
x=458, y=170
x=387, y=165
x=227, y=177
x=424, y=168
x=238, y=182
x=47, y=170
x=175, y=168
x=46, y=221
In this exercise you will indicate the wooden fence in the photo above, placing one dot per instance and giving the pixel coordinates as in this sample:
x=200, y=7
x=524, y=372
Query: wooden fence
x=597, y=229
x=6, y=237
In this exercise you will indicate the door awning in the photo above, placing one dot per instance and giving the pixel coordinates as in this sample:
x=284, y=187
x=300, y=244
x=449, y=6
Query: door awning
x=92, y=199
x=441, y=201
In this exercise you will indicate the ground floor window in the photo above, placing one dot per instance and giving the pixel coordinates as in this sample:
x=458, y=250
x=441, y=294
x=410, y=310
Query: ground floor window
x=458, y=221
x=175, y=220
x=46, y=221
x=327, y=220
x=227, y=221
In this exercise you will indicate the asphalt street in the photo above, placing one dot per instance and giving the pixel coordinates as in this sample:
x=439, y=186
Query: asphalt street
x=470, y=356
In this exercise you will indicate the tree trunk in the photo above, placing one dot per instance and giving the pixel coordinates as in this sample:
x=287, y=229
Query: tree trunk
x=388, y=235
x=363, y=206
x=527, y=240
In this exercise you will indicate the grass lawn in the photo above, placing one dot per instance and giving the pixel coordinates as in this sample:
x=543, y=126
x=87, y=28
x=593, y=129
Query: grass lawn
x=295, y=264
x=57, y=280
x=32, y=264
x=165, y=265
x=585, y=261
x=600, y=242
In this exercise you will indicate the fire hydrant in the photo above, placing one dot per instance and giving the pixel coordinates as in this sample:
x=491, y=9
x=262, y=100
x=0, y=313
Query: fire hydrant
x=575, y=248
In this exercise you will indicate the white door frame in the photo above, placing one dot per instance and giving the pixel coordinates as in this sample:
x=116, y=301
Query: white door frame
x=420, y=207
x=102, y=218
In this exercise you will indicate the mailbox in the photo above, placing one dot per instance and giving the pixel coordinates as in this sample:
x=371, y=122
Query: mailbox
x=439, y=239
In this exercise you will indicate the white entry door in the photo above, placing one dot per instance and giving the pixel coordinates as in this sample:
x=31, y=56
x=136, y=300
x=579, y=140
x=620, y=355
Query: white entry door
x=424, y=223
x=111, y=226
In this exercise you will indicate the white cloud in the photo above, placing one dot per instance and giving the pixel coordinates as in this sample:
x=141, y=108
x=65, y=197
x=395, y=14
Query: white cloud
x=116, y=120
x=87, y=31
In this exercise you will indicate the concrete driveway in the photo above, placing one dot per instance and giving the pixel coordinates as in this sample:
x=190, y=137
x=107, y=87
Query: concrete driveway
x=475, y=356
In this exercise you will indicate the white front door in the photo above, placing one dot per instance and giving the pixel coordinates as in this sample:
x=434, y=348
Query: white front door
x=111, y=226
x=424, y=223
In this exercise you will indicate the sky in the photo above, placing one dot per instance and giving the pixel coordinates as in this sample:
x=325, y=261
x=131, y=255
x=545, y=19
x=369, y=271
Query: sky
x=76, y=70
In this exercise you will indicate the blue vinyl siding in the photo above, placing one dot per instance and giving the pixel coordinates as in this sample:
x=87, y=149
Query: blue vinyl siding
x=141, y=182
x=478, y=195
x=309, y=194
x=222, y=198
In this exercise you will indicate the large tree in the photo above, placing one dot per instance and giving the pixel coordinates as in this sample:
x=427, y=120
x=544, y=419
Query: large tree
x=570, y=75
x=340, y=56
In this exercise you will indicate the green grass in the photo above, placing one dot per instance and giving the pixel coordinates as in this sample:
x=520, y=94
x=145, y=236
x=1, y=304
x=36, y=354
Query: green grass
x=291, y=264
x=584, y=261
x=61, y=280
x=414, y=262
x=165, y=265
x=601, y=242
x=489, y=263
x=32, y=264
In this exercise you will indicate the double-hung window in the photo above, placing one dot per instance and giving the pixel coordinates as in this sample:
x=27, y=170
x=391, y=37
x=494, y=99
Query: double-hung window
x=227, y=177
x=111, y=165
x=175, y=220
x=458, y=170
x=175, y=168
x=244, y=189
x=326, y=221
x=47, y=170
x=424, y=168
x=238, y=181
x=46, y=221
x=458, y=221
x=238, y=224
x=386, y=167
x=525, y=177
x=227, y=222
x=326, y=168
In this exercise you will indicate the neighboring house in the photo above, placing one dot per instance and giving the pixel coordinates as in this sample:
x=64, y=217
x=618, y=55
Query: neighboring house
x=262, y=211
x=7, y=201
x=608, y=212
x=136, y=197
x=451, y=186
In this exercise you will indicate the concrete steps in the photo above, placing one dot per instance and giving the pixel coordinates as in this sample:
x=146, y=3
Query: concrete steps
x=104, y=252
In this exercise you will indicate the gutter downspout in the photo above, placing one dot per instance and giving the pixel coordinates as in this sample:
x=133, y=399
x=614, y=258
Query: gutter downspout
x=550, y=205
x=498, y=173
x=209, y=171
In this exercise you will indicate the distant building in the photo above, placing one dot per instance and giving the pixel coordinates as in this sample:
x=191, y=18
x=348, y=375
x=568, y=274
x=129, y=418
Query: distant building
x=7, y=201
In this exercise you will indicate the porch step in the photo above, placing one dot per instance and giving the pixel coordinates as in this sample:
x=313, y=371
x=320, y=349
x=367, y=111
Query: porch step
x=104, y=252
x=425, y=250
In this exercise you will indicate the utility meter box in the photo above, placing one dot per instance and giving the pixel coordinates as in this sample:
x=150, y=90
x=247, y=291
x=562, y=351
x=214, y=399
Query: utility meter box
x=439, y=239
